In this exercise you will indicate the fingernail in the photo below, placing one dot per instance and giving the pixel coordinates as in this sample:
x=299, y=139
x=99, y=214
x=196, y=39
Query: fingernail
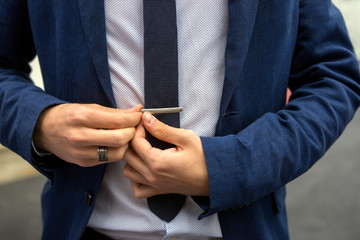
x=149, y=118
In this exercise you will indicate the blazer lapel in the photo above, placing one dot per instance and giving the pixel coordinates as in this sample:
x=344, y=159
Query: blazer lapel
x=242, y=14
x=93, y=20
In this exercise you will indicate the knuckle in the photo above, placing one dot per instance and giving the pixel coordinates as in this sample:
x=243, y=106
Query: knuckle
x=189, y=137
x=124, y=136
x=76, y=114
x=74, y=138
x=156, y=167
x=119, y=122
x=161, y=130
x=153, y=181
x=138, y=190
x=188, y=133
x=120, y=139
x=138, y=195
x=131, y=131
x=125, y=171
x=120, y=153
x=125, y=120
x=82, y=163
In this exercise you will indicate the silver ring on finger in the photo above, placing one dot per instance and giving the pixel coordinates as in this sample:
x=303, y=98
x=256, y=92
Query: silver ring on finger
x=102, y=154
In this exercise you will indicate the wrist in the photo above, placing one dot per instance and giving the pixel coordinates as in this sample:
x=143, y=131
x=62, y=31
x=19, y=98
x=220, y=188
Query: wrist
x=38, y=138
x=40, y=152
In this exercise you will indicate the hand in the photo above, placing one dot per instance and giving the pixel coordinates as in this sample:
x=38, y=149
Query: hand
x=181, y=169
x=73, y=132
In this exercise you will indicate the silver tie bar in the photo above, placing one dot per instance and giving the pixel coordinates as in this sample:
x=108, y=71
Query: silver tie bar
x=162, y=110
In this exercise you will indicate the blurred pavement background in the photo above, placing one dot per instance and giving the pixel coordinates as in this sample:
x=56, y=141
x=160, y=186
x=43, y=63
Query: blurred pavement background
x=323, y=204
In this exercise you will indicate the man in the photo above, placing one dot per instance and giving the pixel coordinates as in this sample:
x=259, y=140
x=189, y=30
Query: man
x=239, y=144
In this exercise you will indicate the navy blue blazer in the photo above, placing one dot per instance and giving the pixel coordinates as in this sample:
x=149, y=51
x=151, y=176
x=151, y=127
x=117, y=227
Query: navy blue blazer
x=261, y=144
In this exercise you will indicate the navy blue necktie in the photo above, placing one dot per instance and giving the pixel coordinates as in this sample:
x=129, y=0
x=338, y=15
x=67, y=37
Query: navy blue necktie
x=161, y=84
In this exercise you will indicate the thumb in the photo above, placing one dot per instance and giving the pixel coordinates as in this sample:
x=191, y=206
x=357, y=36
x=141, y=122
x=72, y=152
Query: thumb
x=162, y=131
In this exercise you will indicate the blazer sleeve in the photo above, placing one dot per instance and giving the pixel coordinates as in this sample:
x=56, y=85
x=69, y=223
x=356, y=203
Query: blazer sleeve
x=280, y=146
x=21, y=102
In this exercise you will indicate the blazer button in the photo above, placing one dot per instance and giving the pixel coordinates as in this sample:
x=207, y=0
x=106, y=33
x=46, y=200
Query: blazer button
x=89, y=198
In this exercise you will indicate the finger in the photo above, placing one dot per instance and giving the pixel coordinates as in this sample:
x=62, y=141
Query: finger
x=113, y=120
x=144, y=191
x=102, y=137
x=130, y=173
x=113, y=154
x=139, y=139
x=141, y=145
x=144, y=149
x=164, y=132
x=96, y=116
x=88, y=157
x=137, y=164
x=136, y=108
x=140, y=131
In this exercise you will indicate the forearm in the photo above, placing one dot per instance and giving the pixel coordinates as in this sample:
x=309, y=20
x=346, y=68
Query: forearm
x=281, y=145
x=21, y=105
x=20, y=101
